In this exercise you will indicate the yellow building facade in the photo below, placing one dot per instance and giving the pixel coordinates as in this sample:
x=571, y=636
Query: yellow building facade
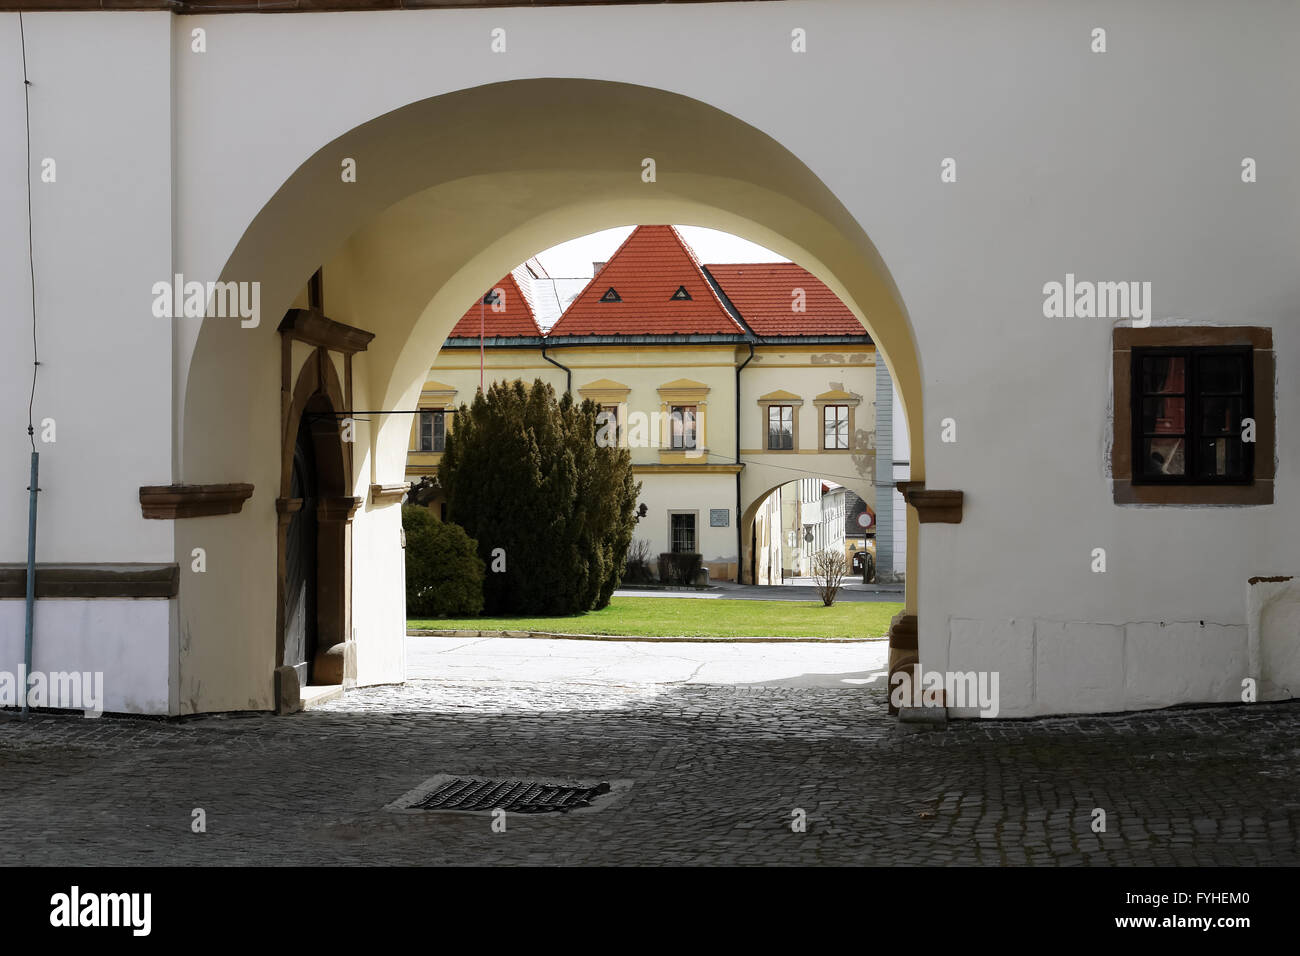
x=715, y=418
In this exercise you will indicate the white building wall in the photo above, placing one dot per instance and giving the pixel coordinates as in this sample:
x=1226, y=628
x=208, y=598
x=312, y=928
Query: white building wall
x=101, y=110
x=901, y=470
x=1033, y=201
x=833, y=520
x=95, y=636
x=379, y=595
x=884, y=503
x=696, y=494
x=1070, y=173
x=378, y=568
x=898, y=520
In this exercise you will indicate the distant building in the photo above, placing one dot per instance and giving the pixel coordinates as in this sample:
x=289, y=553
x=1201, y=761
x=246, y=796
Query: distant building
x=724, y=381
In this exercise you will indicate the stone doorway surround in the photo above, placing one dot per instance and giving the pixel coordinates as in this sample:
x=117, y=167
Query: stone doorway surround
x=315, y=388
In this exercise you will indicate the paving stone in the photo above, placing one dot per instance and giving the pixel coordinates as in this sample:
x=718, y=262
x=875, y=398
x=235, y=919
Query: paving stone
x=716, y=773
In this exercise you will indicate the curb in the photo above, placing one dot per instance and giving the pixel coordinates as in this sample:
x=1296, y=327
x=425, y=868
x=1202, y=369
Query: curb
x=555, y=635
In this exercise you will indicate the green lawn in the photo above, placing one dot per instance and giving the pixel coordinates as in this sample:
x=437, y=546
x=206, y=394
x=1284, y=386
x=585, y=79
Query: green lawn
x=698, y=617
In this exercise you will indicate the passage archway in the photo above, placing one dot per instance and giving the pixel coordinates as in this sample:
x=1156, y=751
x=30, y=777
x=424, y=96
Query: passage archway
x=785, y=524
x=443, y=207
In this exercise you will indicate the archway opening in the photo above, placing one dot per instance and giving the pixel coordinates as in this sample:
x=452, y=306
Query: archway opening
x=402, y=253
x=789, y=525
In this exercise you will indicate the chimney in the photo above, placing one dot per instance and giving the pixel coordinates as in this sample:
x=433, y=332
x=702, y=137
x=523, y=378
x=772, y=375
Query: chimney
x=596, y=267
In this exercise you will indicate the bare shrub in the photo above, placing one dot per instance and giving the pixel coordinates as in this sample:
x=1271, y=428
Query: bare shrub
x=638, y=562
x=828, y=569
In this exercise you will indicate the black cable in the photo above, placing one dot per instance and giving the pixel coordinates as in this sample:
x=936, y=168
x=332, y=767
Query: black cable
x=715, y=458
x=555, y=291
x=31, y=253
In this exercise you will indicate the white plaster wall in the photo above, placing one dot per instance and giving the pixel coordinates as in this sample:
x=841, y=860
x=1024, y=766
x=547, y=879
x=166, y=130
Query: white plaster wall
x=101, y=109
x=379, y=595
x=899, y=527
x=1116, y=166
x=1033, y=422
x=901, y=472
x=663, y=493
x=902, y=441
x=1049, y=666
x=125, y=639
x=1275, y=661
x=378, y=561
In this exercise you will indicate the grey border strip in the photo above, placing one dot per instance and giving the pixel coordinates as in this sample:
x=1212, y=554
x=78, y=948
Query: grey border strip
x=92, y=580
x=555, y=635
x=315, y=6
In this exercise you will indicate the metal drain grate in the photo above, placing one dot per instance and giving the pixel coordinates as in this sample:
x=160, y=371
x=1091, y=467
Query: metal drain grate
x=514, y=796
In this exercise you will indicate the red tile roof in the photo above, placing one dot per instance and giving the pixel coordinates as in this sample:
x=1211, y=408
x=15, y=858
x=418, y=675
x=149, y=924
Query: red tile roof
x=763, y=294
x=516, y=320
x=645, y=272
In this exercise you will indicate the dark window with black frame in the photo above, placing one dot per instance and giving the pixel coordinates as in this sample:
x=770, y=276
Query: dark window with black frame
x=683, y=533
x=780, y=427
x=1187, y=413
x=433, y=434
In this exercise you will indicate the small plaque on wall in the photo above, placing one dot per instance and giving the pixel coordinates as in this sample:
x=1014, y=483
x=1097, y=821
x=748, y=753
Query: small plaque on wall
x=719, y=518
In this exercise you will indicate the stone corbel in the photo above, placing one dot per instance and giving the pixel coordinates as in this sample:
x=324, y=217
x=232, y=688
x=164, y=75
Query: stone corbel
x=193, y=501
x=337, y=509
x=315, y=328
x=387, y=494
x=941, y=507
x=903, y=632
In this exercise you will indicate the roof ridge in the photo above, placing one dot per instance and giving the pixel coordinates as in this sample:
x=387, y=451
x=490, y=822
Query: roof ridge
x=583, y=291
x=695, y=260
x=497, y=324
x=760, y=293
x=727, y=303
x=736, y=265
x=647, y=232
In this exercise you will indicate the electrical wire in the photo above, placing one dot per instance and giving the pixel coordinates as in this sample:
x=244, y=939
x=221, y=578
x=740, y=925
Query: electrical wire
x=31, y=247
x=715, y=459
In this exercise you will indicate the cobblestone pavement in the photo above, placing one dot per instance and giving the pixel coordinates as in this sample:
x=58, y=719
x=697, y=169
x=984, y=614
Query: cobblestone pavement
x=716, y=773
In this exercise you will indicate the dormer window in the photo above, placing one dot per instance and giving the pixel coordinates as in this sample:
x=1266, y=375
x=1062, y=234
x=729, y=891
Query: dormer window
x=611, y=296
x=681, y=295
x=492, y=298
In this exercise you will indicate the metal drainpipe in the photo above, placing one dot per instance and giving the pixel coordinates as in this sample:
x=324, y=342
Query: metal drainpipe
x=568, y=373
x=36, y=364
x=31, y=575
x=740, y=531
